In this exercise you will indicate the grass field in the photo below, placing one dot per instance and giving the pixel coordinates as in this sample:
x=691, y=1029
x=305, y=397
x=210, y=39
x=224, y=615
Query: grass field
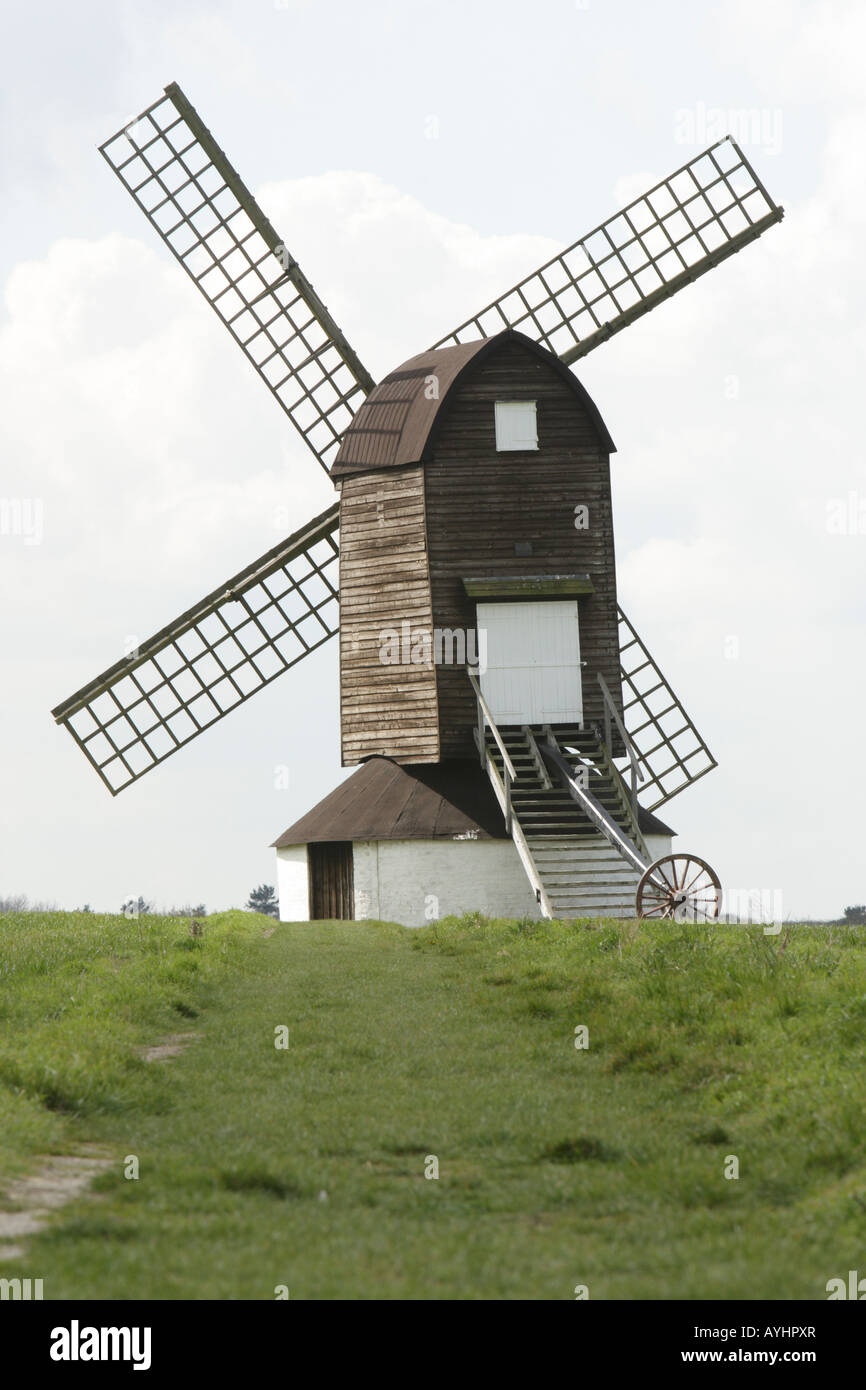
x=558, y=1166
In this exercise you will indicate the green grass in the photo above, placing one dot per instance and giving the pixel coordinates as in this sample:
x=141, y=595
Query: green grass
x=557, y=1166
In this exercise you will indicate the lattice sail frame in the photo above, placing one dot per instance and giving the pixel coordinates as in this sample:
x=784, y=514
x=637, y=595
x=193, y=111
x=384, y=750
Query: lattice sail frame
x=211, y=658
x=180, y=178
x=689, y=222
x=672, y=752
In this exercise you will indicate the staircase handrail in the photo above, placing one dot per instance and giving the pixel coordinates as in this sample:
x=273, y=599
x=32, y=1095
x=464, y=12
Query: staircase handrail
x=484, y=715
x=593, y=808
x=502, y=788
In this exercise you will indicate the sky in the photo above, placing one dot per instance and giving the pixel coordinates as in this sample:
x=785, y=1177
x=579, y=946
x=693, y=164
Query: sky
x=418, y=159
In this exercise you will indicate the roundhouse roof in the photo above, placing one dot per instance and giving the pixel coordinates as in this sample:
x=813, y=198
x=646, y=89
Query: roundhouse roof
x=396, y=424
x=385, y=800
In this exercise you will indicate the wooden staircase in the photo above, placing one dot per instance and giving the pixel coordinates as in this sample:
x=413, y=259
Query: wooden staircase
x=580, y=870
x=585, y=877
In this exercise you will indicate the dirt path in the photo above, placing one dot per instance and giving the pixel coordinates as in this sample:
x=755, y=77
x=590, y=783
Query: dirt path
x=60, y=1179
x=172, y=1046
x=63, y=1177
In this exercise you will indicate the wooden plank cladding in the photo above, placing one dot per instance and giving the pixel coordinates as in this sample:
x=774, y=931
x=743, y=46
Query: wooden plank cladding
x=516, y=523
x=483, y=507
x=387, y=707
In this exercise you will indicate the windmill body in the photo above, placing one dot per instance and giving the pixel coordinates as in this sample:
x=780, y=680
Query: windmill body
x=475, y=530
x=443, y=511
x=513, y=732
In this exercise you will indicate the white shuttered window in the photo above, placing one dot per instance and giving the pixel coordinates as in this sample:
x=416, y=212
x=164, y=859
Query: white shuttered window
x=515, y=425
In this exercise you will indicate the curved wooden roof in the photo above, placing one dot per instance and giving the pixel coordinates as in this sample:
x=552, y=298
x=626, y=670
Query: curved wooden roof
x=396, y=425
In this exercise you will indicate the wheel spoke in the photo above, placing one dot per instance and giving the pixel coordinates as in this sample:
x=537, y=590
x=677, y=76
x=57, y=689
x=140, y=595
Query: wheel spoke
x=660, y=869
x=663, y=908
x=701, y=870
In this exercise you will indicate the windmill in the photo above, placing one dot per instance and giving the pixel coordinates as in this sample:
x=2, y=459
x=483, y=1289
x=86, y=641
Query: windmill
x=564, y=776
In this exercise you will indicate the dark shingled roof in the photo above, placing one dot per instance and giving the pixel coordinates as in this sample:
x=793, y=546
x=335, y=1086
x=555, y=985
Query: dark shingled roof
x=396, y=425
x=385, y=800
x=650, y=824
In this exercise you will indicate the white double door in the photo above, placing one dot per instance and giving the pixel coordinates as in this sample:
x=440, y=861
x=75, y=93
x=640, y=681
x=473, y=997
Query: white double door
x=532, y=660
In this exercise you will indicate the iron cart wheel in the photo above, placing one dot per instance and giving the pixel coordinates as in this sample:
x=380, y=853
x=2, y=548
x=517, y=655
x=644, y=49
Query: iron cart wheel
x=679, y=886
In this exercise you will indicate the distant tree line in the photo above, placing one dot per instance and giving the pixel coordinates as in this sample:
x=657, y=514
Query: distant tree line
x=140, y=907
x=18, y=902
x=261, y=899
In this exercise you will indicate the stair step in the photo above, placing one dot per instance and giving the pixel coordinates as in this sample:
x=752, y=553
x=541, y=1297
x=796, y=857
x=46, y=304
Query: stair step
x=584, y=851
x=558, y=876
x=538, y=796
x=580, y=845
x=596, y=873
x=616, y=911
x=593, y=892
x=596, y=884
x=581, y=833
x=595, y=907
x=572, y=857
x=529, y=802
x=542, y=842
x=602, y=897
x=572, y=866
x=605, y=794
x=590, y=885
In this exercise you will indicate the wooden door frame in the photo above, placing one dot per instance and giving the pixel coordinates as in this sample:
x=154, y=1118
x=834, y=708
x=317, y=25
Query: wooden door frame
x=335, y=887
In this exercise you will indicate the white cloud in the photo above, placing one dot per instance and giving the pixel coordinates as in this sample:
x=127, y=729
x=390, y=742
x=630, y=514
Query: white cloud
x=801, y=49
x=395, y=275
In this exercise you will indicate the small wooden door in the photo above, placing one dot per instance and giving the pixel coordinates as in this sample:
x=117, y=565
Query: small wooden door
x=332, y=881
x=533, y=662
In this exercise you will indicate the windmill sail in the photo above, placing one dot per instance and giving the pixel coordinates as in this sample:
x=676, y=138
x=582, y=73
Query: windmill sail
x=667, y=743
x=695, y=218
x=187, y=189
x=210, y=659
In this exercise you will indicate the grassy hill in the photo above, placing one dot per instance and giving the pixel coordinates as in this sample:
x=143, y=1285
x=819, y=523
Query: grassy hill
x=558, y=1166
